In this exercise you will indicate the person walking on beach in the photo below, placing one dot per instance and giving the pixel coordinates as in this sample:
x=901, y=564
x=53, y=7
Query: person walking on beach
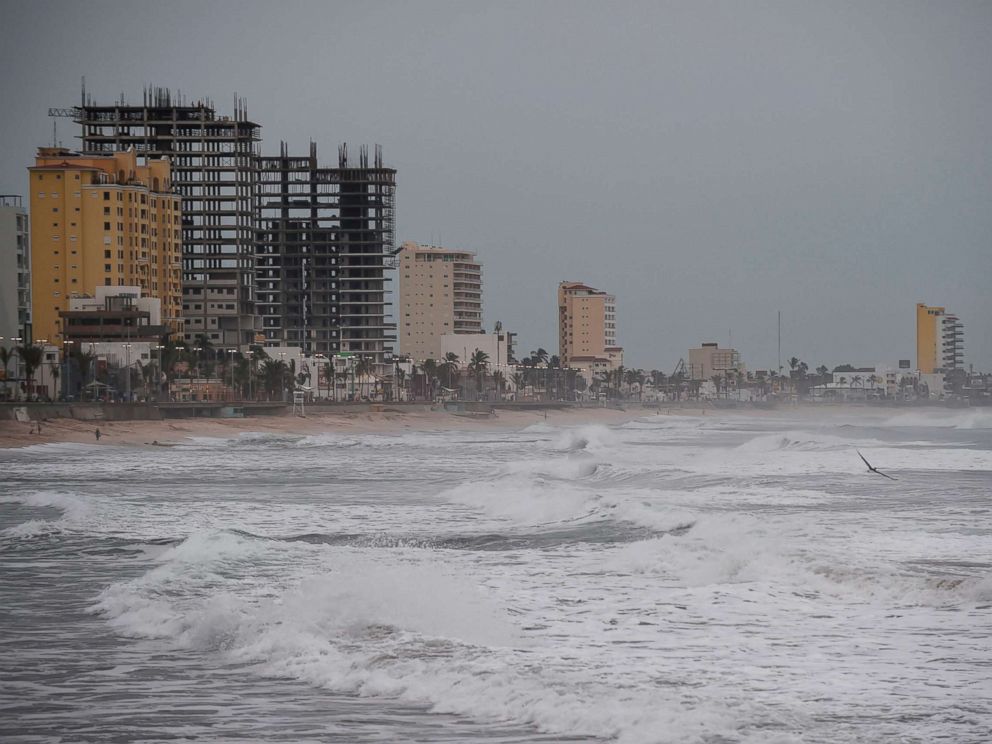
x=97, y=433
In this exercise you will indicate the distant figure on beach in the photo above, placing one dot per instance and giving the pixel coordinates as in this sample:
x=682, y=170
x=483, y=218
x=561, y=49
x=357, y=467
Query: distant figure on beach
x=97, y=433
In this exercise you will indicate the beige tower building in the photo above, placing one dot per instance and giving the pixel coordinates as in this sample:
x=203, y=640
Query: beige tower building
x=101, y=221
x=440, y=292
x=587, y=329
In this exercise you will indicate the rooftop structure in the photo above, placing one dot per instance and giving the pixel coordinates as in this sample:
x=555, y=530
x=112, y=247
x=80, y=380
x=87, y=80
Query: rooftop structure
x=113, y=314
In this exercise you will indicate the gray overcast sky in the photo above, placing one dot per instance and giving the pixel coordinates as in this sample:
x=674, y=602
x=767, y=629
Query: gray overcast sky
x=710, y=163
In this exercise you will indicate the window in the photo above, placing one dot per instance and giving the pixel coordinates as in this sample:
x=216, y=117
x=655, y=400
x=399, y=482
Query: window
x=106, y=267
x=106, y=196
x=106, y=225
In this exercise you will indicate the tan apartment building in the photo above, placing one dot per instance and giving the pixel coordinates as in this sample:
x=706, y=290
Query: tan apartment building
x=440, y=292
x=587, y=329
x=100, y=221
x=709, y=359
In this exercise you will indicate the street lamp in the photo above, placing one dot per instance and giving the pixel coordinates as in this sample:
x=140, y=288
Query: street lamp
x=17, y=364
x=67, y=360
x=282, y=385
x=232, y=352
x=320, y=362
x=127, y=372
x=158, y=371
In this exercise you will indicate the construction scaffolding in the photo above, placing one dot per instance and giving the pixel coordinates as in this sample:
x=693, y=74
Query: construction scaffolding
x=214, y=164
x=324, y=240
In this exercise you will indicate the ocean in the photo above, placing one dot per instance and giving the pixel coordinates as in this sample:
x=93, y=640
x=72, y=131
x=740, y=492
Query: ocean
x=721, y=578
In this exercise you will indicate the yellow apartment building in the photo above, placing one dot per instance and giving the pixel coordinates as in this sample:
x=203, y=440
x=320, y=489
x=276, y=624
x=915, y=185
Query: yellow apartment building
x=587, y=327
x=928, y=337
x=102, y=221
x=939, y=340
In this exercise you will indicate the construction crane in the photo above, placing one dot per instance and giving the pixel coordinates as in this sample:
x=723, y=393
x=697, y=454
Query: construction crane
x=61, y=113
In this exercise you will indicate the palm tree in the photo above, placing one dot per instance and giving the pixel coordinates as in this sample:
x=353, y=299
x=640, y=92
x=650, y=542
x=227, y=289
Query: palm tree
x=430, y=370
x=449, y=368
x=328, y=372
x=363, y=370
x=630, y=379
x=499, y=380
x=873, y=379
x=657, y=381
x=341, y=377
x=243, y=374
x=519, y=382
x=554, y=363
x=55, y=378
x=477, y=365
x=618, y=375
x=169, y=354
x=31, y=357
x=147, y=377
x=84, y=360
x=206, y=346
x=273, y=375
x=694, y=386
x=718, y=383
x=5, y=356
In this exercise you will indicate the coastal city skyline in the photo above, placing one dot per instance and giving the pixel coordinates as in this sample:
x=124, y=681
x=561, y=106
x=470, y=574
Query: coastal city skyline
x=505, y=372
x=448, y=193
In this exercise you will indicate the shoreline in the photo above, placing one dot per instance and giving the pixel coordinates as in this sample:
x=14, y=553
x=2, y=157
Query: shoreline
x=141, y=432
x=15, y=434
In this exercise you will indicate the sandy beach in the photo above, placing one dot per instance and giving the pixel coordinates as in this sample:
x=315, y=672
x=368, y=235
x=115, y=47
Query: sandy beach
x=169, y=431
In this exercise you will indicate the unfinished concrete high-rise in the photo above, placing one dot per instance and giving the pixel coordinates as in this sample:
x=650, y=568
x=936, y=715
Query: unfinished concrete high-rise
x=324, y=237
x=214, y=161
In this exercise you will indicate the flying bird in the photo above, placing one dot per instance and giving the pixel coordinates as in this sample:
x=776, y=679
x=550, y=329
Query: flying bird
x=872, y=468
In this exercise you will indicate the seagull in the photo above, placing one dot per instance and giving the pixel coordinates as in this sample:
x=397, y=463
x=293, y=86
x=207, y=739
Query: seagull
x=873, y=469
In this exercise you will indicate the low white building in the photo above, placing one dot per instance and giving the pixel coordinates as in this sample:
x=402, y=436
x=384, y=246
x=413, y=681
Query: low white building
x=497, y=346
